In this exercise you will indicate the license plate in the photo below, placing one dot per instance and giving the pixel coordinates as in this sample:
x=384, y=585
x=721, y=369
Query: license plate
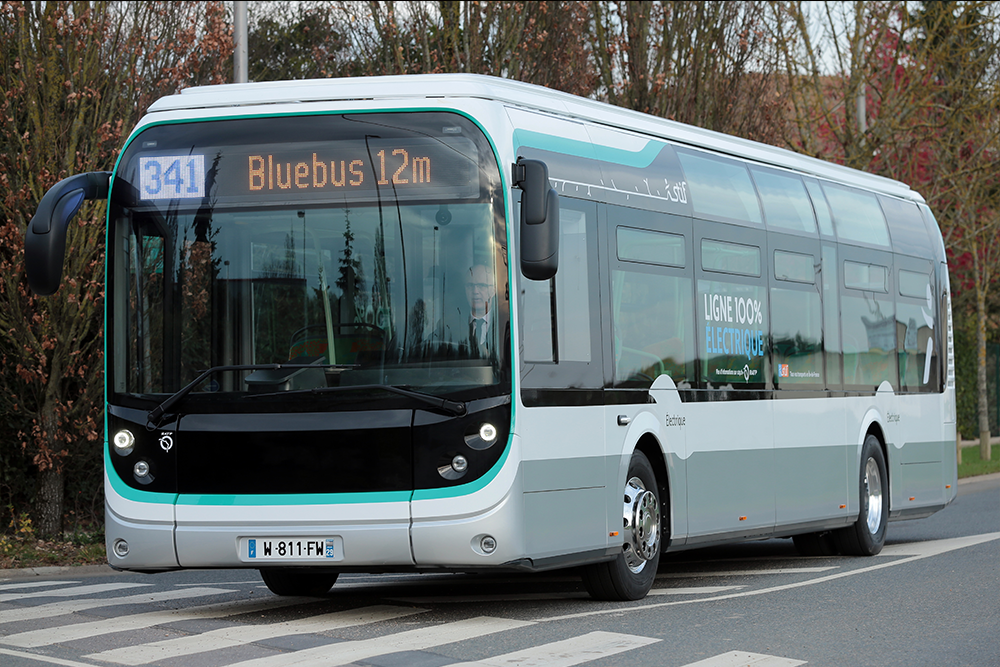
x=292, y=548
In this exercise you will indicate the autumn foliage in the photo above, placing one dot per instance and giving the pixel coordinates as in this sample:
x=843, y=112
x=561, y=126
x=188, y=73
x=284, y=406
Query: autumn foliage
x=76, y=76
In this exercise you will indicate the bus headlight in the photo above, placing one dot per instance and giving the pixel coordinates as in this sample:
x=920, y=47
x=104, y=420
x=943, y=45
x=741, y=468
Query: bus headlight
x=141, y=469
x=124, y=442
x=488, y=432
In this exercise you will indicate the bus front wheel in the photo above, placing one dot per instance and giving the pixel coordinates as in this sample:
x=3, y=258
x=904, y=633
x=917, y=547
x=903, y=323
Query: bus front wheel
x=630, y=575
x=304, y=583
x=867, y=536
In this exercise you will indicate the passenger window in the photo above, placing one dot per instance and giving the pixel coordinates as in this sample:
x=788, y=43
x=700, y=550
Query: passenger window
x=794, y=267
x=915, y=326
x=857, y=216
x=831, y=318
x=653, y=333
x=869, y=326
x=821, y=208
x=640, y=245
x=796, y=337
x=869, y=277
x=726, y=257
x=566, y=336
x=720, y=188
x=732, y=326
x=786, y=204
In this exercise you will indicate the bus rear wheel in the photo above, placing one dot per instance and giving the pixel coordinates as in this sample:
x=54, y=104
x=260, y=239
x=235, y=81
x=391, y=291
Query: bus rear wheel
x=304, y=583
x=630, y=575
x=867, y=536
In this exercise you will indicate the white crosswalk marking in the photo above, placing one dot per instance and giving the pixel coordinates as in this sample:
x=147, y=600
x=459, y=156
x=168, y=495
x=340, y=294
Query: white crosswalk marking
x=567, y=652
x=35, y=584
x=246, y=634
x=741, y=573
x=420, y=639
x=695, y=590
x=69, y=592
x=745, y=659
x=68, y=633
x=68, y=607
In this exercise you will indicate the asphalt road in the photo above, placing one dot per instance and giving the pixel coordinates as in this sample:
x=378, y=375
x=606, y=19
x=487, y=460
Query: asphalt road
x=931, y=598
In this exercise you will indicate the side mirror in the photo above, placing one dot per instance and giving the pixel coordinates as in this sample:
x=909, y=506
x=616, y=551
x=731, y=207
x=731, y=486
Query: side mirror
x=539, y=249
x=45, y=239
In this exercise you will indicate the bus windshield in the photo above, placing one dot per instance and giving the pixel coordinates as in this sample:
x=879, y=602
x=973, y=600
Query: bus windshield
x=350, y=251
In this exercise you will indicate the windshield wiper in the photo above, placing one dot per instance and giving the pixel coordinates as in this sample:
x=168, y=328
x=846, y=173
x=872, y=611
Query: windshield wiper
x=455, y=408
x=156, y=414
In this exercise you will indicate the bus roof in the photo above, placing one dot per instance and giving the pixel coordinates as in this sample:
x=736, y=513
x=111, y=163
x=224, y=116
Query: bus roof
x=526, y=95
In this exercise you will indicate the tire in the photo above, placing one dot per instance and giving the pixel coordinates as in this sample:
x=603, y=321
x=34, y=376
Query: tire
x=630, y=575
x=867, y=536
x=816, y=544
x=298, y=583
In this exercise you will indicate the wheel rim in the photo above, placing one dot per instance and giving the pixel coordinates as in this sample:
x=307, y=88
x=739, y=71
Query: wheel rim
x=873, y=495
x=641, y=515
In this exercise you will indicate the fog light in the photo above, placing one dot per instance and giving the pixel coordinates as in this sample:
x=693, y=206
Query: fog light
x=488, y=432
x=141, y=469
x=488, y=544
x=120, y=547
x=124, y=441
x=459, y=463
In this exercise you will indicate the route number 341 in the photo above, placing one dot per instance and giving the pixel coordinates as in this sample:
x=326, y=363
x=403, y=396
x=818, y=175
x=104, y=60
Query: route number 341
x=172, y=176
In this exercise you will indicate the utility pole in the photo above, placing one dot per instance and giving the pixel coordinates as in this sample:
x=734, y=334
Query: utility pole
x=240, y=66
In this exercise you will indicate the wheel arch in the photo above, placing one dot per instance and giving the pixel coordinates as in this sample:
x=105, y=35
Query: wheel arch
x=876, y=430
x=649, y=445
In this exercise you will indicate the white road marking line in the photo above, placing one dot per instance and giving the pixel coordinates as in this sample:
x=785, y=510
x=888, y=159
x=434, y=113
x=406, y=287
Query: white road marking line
x=568, y=652
x=68, y=633
x=420, y=639
x=745, y=659
x=36, y=584
x=60, y=608
x=69, y=592
x=516, y=597
x=44, y=658
x=246, y=634
x=695, y=590
x=936, y=547
x=740, y=573
x=924, y=549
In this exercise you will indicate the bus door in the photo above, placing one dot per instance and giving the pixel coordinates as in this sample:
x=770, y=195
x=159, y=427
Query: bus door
x=810, y=453
x=652, y=338
x=921, y=455
x=563, y=466
x=731, y=478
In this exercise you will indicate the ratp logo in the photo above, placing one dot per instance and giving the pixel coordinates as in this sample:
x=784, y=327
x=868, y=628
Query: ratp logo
x=167, y=441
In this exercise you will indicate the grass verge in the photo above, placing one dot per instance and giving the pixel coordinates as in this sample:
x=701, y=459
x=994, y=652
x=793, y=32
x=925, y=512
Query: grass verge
x=973, y=464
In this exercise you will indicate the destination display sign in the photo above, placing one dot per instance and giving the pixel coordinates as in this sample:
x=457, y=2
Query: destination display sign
x=358, y=170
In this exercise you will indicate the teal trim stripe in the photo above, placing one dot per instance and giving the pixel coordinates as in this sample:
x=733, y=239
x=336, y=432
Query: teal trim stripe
x=640, y=159
x=465, y=489
x=126, y=491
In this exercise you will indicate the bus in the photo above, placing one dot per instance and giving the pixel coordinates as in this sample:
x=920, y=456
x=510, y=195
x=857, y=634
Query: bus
x=458, y=323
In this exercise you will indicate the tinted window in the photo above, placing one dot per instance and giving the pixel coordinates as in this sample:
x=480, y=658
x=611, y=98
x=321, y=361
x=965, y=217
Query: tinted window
x=831, y=317
x=820, y=207
x=640, y=245
x=796, y=337
x=566, y=336
x=720, y=188
x=786, y=204
x=869, y=335
x=916, y=285
x=915, y=326
x=794, y=267
x=857, y=216
x=653, y=328
x=727, y=257
x=732, y=326
x=908, y=231
x=866, y=277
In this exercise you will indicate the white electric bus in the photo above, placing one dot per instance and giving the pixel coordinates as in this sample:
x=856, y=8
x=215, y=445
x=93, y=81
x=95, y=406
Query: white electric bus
x=452, y=322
